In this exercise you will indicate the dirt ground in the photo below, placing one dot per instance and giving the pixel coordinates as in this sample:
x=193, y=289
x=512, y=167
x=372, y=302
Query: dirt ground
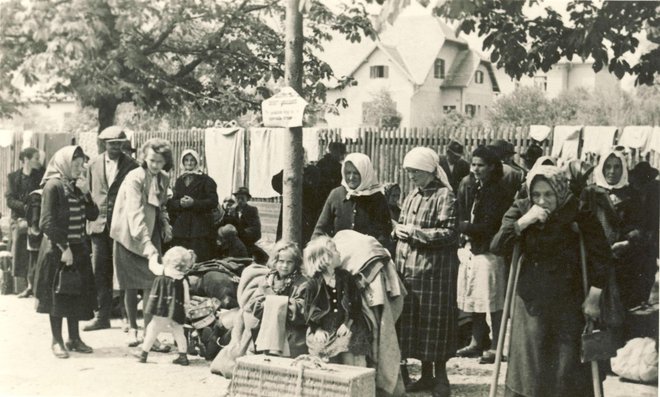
x=28, y=368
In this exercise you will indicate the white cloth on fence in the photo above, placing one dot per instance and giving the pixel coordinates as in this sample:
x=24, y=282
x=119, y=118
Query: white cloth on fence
x=266, y=159
x=225, y=158
x=566, y=141
x=636, y=137
x=539, y=132
x=597, y=139
x=311, y=143
x=654, y=142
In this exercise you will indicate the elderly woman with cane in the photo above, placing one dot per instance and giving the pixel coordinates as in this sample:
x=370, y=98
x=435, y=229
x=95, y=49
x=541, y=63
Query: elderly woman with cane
x=548, y=310
x=426, y=259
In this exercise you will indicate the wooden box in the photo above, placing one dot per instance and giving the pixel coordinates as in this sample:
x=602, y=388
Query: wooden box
x=264, y=376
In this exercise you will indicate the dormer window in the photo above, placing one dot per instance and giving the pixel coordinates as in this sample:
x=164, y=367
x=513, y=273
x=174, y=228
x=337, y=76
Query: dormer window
x=439, y=68
x=378, y=72
x=479, y=77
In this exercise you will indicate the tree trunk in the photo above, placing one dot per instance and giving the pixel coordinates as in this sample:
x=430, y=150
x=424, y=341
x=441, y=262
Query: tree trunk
x=107, y=109
x=293, y=150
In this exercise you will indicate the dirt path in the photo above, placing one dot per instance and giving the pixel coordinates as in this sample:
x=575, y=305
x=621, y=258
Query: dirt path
x=28, y=368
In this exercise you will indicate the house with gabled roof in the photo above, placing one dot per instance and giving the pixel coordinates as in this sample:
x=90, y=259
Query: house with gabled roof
x=424, y=66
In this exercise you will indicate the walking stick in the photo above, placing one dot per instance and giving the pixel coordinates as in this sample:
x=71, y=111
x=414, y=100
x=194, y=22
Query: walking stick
x=510, y=292
x=595, y=375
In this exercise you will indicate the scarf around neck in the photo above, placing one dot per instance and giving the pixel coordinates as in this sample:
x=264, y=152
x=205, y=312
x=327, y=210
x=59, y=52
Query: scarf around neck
x=599, y=177
x=368, y=181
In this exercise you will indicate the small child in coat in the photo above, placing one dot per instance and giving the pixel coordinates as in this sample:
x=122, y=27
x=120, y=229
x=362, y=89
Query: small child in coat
x=169, y=295
x=280, y=304
x=338, y=331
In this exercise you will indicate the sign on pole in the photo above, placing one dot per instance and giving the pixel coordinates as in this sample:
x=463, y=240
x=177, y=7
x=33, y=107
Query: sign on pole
x=284, y=109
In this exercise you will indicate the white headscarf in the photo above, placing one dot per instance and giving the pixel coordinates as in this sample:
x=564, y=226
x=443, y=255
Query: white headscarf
x=425, y=159
x=599, y=177
x=197, y=169
x=368, y=180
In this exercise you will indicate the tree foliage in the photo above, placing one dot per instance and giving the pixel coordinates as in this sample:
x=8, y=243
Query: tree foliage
x=220, y=57
x=607, y=32
x=381, y=111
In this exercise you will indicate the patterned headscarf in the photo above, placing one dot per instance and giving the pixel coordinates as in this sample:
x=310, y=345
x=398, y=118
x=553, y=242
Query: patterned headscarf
x=197, y=169
x=599, y=177
x=368, y=180
x=555, y=177
x=59, y=165
x=425, y=159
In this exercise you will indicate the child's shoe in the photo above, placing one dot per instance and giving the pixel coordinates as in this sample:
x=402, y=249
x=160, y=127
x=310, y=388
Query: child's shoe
x=181, y=360
x=141, y=356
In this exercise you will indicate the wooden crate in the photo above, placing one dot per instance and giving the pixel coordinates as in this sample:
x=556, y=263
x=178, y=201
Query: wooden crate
x=264, y=376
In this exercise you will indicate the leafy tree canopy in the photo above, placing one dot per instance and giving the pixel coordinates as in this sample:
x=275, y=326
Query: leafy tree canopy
x=606, y=31
x=162, y=55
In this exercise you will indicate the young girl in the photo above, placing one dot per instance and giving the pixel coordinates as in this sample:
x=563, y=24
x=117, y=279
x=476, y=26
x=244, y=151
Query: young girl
x=283, y=292
x=333, y=309
x=169, y=294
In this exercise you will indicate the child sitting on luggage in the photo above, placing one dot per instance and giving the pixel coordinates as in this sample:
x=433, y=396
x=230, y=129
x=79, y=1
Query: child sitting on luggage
x=337, y=330
x=170, y=293
x=280, y=303
x=229, y=245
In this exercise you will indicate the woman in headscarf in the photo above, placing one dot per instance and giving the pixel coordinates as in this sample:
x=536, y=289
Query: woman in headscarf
x=358, y=204
x=547, y=320
x=426, y=259
x=65, y=207
x=392, y=196
x=482, y=199
x=191, y=208
x=139, y=226
x=621, y=214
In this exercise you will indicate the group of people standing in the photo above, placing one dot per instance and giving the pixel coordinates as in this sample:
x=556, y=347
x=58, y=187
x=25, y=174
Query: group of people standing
x=451, y=241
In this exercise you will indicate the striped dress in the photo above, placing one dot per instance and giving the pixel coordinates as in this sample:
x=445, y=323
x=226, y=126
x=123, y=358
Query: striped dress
x=428, y=264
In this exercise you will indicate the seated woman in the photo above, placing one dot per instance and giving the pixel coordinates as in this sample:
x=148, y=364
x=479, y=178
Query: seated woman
x=283, y=290
x=191, y=208
x=619, y=209
x=358, y=204
x=547, y=318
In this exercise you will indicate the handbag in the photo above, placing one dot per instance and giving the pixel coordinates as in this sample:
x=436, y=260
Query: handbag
x=68, y=281
x=598, y=344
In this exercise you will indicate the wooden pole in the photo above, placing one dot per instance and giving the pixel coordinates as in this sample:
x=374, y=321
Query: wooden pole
x=293, y=149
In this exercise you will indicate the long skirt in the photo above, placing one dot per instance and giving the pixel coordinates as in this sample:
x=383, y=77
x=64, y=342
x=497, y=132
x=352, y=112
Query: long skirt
x=78, y=307
x=19, y=250
x=544, y=357
x=481, y=284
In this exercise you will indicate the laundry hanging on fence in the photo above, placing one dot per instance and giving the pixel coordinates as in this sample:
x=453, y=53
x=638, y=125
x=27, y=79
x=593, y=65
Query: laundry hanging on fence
x=311, y=143
x=654, y=142
x=225, y=158
x=597, y=140
x=566, y=141
x=636, y=137
x=266, y=159
x=539, y=132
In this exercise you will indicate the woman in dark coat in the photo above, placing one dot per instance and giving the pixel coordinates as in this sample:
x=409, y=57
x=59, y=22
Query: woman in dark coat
x=64, y=208
x=482, y=199
x=544, y=357
x=358, y=204
x=426, y=259
x=620, y=212
x=191, y=208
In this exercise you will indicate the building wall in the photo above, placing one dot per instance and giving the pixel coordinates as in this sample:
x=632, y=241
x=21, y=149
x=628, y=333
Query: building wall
x=41, y=117
x=399, y=87
x=480, y=95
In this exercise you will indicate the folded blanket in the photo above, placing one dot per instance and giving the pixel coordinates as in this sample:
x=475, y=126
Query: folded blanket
x=272, y=334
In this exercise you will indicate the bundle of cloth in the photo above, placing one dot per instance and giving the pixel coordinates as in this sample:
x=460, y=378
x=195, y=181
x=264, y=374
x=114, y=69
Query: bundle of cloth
x=382, y=293
x=218, y=278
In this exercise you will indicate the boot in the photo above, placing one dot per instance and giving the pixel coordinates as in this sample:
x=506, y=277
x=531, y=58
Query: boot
x=181, y=360
x=25, y=294
x=141, y=356
x=77, y=345
x=97, y=324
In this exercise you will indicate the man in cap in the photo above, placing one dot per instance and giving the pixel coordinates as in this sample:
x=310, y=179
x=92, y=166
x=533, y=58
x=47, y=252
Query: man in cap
x=453, y=164
x=105, y=174
x=531, y=155
x=513, y=174
x=245, y=218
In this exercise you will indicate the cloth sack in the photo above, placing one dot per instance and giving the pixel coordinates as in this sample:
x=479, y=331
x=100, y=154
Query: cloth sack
x=481, y=283
x=637, y=360
x=68, y=281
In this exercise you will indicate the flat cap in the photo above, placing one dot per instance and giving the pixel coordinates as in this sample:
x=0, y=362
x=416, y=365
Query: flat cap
x=114, y=133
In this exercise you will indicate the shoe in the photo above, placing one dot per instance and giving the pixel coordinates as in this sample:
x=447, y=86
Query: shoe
x=469, y=352
x=125, y=326
x=78, y=346
x=161, y=347
x=59, y=350
x=441, y=389
x=133, y=339
x=25, y=294
x=181, y=360
x=96, y=325
x=141, y=355
x=488, y=357
x=422, y=384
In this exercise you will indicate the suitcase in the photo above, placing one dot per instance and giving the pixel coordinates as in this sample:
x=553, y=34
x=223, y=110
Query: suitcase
x=264, y=376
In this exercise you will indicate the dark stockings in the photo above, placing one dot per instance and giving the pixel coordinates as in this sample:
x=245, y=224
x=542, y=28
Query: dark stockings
x=480, y=329
x=56, y=329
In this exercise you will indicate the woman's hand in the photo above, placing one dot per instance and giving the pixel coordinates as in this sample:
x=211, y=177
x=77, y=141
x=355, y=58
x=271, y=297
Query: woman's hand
x=591, y=305
x=320, y=336
x=619, y=248
x=343, y=330
x=81, y=183
x=67, y=257
x=402, y=232
x=166, y=233
x=186, y=201
x=534, y=215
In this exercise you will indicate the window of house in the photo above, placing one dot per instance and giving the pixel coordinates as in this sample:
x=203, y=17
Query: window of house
x=541, y=82
x=470, y=110
x=378, y=72
x=439, y=69
x=479, y=77
x=448, y=109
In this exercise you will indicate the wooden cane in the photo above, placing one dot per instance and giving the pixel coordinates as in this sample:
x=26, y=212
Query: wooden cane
x=510, y=292
x=595, y=375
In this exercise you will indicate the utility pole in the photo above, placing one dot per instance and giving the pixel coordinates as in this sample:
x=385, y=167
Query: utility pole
x=293, y=150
